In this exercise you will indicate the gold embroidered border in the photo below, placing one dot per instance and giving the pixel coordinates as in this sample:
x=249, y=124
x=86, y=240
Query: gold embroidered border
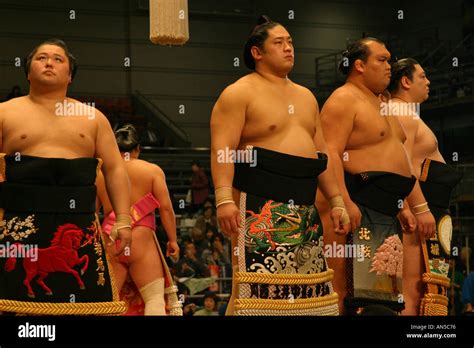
x=284, y=279
x=46, y=308
x=294, y=304
x=436, y=298
x=434, y=304
x=424, y=170
x=113, y=285
x=434, y=278
x=115, y=290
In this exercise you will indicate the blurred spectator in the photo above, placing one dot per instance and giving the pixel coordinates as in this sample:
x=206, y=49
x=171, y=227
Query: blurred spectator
x=14, y=93
x=208, y=218
x=220, y=254
x=199, y=241
x=454, y=291
x=211, y=231
x=460, y=92
x=453, y=87
x=209, y=202
x=222, y=309
x=190, y=265
x=189, y=309
x=199, y=186
x=467, y=90
x=210, y=306
x=468, y=293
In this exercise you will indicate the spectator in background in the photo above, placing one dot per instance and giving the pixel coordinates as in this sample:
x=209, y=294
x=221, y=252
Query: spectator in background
x=190, y=265
x=453, y=87
x=468, y=293
x=210, y=306
x=211, y=231
x=468, y=287
x=189, y=309
x=220, y=253
x=199, y=186
x=454, y=291
x=207, y=219
x=14, y=93
x=199, y=240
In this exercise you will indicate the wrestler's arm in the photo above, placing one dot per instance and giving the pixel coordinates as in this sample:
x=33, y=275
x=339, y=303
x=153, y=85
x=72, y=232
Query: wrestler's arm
x=327, y=179
x=168, y=218
x=102, y=197
x=115, y=174
x=425, y=222
x=406, y=217
x=337, y=121
x=227, y=123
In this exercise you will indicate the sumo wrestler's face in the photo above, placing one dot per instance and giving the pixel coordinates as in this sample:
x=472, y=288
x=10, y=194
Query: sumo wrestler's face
x=420, y=85
x=278, y=52
x=50, y=66
x=376, y=70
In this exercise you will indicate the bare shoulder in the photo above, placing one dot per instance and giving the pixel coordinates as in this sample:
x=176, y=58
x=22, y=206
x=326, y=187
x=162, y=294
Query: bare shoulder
x=11, y=107
x=345, y=94
x=100, y=118
x=342, y=101
x=239, y=91
x=305, y=92
x=150, y=167
x=13, y=103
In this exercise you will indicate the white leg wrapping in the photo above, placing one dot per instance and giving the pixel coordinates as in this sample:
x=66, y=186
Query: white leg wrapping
x=153, y=295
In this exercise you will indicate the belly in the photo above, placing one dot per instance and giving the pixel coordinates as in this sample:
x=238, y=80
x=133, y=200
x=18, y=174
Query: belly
x=295, y=141
x=387, y=157
x=53, y=151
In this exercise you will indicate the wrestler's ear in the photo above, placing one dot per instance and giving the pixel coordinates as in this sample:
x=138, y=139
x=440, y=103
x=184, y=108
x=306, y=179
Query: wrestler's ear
x=256, y=53
x=405, y=82
x=359, y=65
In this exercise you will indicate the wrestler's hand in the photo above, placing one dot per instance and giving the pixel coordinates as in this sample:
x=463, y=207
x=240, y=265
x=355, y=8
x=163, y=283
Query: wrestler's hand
x=124, y=235
x=354, y=214
x=426, y=224
x=336, y=216
x=172, y=250
x=228, y=216
x=407, y=220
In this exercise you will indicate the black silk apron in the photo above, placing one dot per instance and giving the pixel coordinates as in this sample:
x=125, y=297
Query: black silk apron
x=53, y=257
x=281, y=265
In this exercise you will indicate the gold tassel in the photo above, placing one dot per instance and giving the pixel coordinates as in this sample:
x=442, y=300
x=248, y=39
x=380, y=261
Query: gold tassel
x=169, y=22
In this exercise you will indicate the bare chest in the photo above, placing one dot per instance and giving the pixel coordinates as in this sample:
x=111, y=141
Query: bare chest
x=27, y=129
x=425, y=142
x=371, y=127
x=274, y=113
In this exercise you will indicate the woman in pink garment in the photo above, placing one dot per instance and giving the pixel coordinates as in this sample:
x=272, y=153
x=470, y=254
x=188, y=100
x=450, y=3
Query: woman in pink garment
x=148, y=192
